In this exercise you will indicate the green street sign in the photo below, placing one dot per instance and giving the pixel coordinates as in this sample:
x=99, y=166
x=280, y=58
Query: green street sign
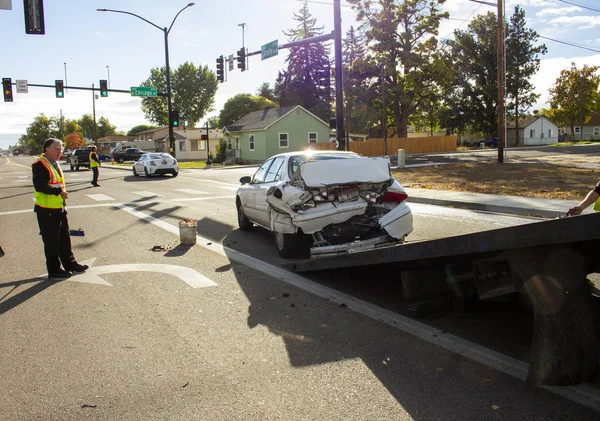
x=269, y=50
x=143, y=91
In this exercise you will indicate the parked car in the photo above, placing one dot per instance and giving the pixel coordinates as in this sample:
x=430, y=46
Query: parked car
x=491, y=142
x=156, y=164
x=129, y=154
x=104, y=157
x=327, y=202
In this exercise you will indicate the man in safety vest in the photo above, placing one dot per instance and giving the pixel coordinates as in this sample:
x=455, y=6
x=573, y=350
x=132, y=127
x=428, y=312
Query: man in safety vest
x=50, y=208
x=94, y=164
x=592, y=197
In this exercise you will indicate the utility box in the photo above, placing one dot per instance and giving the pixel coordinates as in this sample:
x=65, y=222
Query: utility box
x=401, y=158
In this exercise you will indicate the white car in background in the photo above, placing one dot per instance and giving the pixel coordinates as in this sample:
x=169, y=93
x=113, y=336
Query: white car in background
x=156, y=164
x=341, y=202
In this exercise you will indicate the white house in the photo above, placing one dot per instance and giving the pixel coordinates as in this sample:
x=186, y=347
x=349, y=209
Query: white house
x=533, y=130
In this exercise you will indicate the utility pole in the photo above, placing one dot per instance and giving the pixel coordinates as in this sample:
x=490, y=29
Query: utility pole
x=501, y=137
x=339, y=91
x=384, y=121
x=243, y=25
x=94, y=110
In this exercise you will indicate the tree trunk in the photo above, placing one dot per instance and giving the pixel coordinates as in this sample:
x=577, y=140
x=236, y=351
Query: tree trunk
x=517, y=136
x=566, y=339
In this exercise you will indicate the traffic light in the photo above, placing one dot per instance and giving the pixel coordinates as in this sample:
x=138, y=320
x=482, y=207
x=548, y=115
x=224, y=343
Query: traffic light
x=175, y=119
x=34, y=17
x=241, y=59
x=103, y=88
x=203, y=137
x=59, y=87
x=220, y=70
x=7, y=89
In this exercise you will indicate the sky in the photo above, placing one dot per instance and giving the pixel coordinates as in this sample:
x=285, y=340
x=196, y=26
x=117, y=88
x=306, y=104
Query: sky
x=82, y=46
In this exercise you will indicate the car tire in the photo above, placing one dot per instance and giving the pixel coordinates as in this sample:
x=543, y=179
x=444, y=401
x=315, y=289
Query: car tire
x=243, y=221
x=175, y=174
x=135, y=174
x=287, y=244
x=146, y=172
x=120, y=160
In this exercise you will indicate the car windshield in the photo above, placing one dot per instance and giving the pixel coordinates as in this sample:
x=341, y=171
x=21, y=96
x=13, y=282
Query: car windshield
x=296, y=160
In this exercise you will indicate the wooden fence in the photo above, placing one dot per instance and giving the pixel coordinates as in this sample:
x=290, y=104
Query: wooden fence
x=411, y=145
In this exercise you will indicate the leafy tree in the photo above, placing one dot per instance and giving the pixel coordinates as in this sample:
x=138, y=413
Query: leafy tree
x=266, y=91
x=474, y=56
x=240, y=105
x=402, y=36
x=74, y=141
x=213, y=122
x=104, y=128
x=575, y=97
x=86, y=124
x=300, y=83
x=522, y=62
x=221, y=152
x=193, y=91
x=36, y=134
x=140, y=128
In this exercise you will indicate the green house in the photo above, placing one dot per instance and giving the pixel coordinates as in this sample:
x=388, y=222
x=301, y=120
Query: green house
x=261, y=134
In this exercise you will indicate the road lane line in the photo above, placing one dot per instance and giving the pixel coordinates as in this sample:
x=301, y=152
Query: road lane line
x=192, y=199
x=583, y=395
x=147, y=194
x=99, y=197
x=191, y=191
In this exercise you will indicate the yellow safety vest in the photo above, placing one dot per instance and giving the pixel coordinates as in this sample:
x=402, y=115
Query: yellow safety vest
x=93, y=163
x=597, y=205
x=50, y=201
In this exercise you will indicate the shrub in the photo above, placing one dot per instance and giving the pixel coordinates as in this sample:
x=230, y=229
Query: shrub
x=221, y=152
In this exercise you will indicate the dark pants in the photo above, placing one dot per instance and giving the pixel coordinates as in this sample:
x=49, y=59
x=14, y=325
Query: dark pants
x=57, y=241
x=95, y=178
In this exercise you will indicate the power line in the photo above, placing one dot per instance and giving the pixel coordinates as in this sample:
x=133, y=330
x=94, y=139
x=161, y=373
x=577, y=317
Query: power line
x=579, y=5
x=570, y=44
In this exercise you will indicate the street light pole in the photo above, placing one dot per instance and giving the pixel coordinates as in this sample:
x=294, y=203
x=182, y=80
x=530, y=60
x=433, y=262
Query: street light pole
x=108, y=71
x=167, y=70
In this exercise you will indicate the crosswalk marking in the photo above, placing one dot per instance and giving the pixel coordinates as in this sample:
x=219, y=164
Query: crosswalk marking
x=147, y=194
x=194, y=199
x=191, y=191
x=99, y=197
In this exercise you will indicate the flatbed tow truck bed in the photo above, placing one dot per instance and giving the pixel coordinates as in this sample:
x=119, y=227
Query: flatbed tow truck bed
x=548, y=261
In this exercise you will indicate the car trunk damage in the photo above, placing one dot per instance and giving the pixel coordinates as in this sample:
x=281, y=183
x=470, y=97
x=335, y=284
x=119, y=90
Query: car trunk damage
x=345, y=204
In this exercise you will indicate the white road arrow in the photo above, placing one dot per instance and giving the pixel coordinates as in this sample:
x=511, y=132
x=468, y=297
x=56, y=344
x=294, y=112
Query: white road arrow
x=187, y=275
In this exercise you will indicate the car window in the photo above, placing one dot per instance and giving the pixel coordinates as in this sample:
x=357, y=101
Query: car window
x=155, y=156
x=259, y=175
x=274, y=172
x=143, y=157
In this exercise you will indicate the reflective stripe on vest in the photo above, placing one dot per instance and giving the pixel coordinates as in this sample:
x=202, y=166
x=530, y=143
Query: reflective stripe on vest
x=93, y=162
x=50, y=201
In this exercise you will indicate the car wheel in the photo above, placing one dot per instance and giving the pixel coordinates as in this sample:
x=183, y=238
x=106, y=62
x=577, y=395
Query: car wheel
x=175, y=174
x=287, y=244
x=72, y=168
x=243, y=221
x=120, y=160
x=146, y=172
x=135, y=174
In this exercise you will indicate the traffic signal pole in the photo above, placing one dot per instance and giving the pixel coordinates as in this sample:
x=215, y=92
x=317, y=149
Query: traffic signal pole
x=339, y=92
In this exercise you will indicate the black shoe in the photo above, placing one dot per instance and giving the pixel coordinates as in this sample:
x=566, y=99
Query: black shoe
x=77, y=268
x=60, y=274
x=96, y=185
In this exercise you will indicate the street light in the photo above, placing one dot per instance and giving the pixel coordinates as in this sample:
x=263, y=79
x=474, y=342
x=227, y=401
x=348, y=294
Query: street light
x=166, y=32
x=108, y=71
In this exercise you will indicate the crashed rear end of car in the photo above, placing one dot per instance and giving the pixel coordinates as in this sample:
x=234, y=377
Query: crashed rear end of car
x=347, y=205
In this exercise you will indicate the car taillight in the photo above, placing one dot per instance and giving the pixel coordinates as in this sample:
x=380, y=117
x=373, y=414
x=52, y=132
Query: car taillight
x=394, y=197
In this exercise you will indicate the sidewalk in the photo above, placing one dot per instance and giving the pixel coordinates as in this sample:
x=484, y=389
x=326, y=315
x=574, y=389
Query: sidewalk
x=547, y=208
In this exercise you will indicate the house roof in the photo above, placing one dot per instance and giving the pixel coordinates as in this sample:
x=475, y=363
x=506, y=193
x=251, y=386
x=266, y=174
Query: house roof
x=594, y=120
x=261, y=120
x=525, y=121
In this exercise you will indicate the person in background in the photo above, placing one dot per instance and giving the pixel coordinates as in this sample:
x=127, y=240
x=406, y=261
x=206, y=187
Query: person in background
x=50, y=208
x=94, y=165
x=592, y=197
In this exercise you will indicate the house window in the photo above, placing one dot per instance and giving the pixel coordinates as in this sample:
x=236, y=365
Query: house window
x=202, y=145
x=251, y=141
x=283, y=140
x=312, y=137
x=193, y=145
x=532, y=133
x=550, y=133
x=182, y=145
x=596, y=131
x=561, y=131
x=228, y=143
x=577, y=129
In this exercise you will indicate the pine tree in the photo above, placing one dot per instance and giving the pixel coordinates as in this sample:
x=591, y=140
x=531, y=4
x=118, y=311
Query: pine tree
x=304, y=81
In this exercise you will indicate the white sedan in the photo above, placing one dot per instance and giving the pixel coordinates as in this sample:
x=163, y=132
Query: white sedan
x=156, y=164
x=326, y=201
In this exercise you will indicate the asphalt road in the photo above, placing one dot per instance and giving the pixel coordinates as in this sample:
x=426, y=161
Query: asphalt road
x=219, y=330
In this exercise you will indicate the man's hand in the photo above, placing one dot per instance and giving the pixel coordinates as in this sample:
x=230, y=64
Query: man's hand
x=575, y=210
x=64, y=195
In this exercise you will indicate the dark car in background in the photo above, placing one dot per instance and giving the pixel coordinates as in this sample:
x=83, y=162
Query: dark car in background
x=490, y=142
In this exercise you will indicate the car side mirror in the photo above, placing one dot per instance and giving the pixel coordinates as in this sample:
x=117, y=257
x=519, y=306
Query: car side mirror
x=246, y=179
